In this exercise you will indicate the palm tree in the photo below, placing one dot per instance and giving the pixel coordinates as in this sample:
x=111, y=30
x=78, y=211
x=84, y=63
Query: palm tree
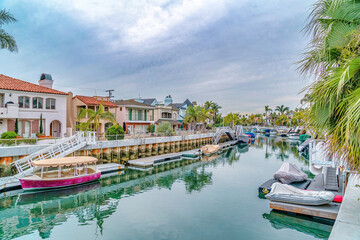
x=6, y=40
x=334, y=58
x=94, y=117
x=195, y=115
x=215, y=109
x=267, y=109
x=232, y=118
x=281, y=109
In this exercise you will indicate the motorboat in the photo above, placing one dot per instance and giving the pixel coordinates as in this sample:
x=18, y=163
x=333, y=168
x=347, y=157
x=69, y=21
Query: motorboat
x=289, y=194
x=61, y=172
x=294, y=136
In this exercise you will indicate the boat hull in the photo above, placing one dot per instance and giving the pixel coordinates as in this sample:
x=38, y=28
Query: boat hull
x=30, y=184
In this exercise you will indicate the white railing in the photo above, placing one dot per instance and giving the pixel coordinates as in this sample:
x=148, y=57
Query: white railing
x=64, y=148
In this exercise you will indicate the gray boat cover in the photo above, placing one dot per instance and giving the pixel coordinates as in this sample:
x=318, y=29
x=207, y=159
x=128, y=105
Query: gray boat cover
x=289, y=173
x=289, y=194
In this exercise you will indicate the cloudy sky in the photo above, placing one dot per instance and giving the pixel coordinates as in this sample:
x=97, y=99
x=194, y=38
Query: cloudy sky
x=238, y=53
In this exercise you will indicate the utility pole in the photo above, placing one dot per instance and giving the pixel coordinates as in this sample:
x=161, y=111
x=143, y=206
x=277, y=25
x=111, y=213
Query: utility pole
x=110, y=93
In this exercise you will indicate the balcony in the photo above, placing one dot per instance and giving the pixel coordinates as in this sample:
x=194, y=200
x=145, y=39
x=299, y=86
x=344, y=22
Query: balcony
x=11, y=110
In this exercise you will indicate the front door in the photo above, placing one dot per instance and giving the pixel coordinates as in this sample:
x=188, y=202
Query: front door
x=55, y=128
x=27, y=129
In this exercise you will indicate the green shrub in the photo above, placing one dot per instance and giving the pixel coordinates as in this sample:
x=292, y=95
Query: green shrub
x=151, y=128
x=9, y=135
x=115, y=130
x=165, y=128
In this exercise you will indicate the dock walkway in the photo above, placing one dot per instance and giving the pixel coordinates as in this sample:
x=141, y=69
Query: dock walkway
x=347, y=224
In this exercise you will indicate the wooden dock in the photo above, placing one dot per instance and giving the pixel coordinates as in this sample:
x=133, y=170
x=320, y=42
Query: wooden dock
x=328, y=211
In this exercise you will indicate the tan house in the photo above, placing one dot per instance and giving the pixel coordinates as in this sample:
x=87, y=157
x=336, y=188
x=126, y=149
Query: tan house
x=167, y=113
x=134, y=116
x=75, y=104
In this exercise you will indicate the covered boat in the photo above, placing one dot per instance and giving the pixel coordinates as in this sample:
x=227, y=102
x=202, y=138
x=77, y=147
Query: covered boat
x=61, y=172
x=289, y=172
x=208, y=150
x=289, y=194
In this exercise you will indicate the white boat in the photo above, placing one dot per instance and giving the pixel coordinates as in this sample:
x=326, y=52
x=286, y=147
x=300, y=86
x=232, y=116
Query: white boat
x=289, y=194
x=294, y=136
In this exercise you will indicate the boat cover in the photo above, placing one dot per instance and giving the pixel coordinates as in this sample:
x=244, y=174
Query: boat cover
x=210, y=149
x=289, y=194
x=289, y=173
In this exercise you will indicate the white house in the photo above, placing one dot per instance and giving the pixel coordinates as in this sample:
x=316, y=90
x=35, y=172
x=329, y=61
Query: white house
x=27, y=102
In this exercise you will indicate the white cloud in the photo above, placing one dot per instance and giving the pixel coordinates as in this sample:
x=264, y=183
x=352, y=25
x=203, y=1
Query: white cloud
x=142, y=23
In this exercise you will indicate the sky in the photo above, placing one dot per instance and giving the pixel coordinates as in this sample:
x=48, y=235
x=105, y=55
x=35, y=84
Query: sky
x=241, y=54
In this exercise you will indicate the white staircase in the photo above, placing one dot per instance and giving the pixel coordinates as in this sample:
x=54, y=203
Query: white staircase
x=61, y=149
x=216, y=138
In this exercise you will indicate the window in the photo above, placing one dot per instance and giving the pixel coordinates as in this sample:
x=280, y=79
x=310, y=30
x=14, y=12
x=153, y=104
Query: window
x=106, y=109
x=37, y=103
x=50, y=103
x=24, y=102
x=120, y=108
x=166, y=115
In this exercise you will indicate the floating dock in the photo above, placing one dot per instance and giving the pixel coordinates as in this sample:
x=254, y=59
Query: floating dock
x=328, y=211
x=148, y=162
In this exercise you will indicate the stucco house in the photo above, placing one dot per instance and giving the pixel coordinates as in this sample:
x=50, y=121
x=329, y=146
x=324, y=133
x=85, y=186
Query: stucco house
x=27, y=101
x=167, y=112
x=134, y=116
x=75, y=104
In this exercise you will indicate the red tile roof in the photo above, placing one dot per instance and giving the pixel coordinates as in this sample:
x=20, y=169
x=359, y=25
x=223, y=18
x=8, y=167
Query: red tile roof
x=10, y=83
x=93, y=101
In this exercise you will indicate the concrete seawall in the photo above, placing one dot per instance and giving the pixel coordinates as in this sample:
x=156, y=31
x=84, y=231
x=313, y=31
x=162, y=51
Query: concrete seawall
x=120, y=151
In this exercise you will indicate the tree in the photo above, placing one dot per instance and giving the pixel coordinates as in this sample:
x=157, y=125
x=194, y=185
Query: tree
x=195, y=115
x=41, y=130
x=17, y=126
x=281, y=109
x=6, y=40
x=165, y=128
x=94, y=117
x=115, y=132
x=334, y=58
x=232, y=119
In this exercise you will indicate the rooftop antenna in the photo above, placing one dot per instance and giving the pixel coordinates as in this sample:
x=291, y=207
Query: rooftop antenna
x=110, y=93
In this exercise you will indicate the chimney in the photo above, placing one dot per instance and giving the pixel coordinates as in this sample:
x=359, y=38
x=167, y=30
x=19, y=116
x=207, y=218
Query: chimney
x=46, y=80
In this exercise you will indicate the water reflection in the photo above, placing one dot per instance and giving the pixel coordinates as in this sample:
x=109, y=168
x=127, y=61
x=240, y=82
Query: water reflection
x=24, y=214
x=307, y=225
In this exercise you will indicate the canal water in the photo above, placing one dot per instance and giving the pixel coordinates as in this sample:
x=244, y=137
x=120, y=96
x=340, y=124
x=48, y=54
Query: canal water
x=212, y=198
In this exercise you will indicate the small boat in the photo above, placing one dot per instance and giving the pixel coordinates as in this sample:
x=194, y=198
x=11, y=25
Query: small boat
x=252, y=135
x=289, y=194
x=294, y=136
x=61, y=172
x=273, y=132
x=210, y=149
